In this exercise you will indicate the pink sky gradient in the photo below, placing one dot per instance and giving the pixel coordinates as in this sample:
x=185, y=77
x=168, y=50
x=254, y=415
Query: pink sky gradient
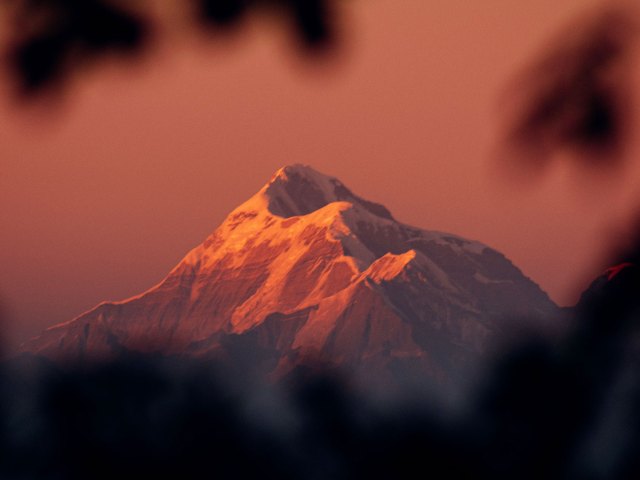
x=101, y=197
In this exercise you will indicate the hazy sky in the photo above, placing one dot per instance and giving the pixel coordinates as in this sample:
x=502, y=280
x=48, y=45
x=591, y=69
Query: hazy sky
x=102, y=195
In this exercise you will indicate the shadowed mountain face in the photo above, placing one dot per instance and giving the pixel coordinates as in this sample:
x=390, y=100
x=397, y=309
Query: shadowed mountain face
x=307, y=270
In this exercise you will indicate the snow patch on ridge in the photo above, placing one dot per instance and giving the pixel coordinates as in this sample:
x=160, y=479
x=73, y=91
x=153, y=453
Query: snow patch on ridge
x=390, y=266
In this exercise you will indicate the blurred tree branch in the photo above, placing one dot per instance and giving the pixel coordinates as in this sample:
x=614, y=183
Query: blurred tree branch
x=575, y=98
x=49, y=39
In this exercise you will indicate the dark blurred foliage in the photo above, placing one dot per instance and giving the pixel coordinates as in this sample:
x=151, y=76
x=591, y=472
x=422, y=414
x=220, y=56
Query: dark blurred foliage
x=575, y=98
x=555, y=409
x=51, y=39
x=572, y=409
x=54, y=37
x=312, y=19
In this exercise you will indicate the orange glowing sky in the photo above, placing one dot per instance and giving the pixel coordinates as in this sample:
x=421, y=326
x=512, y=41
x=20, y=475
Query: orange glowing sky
x=100, y=197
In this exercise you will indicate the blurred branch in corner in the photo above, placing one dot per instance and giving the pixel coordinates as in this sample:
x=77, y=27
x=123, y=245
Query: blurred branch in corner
x=49, y=40
x=574, y=100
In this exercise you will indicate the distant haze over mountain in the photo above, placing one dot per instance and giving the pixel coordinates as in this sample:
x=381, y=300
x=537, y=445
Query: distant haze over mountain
x=305, y=270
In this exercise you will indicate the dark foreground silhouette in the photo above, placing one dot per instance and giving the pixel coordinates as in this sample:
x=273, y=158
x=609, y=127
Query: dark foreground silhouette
x=550, y=409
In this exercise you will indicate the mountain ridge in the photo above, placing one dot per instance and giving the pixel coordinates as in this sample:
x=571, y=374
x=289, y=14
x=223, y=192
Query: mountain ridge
x=334, y=276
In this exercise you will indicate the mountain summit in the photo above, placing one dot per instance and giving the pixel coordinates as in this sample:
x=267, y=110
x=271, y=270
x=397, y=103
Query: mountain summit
x=299, y=190
x=305, y=269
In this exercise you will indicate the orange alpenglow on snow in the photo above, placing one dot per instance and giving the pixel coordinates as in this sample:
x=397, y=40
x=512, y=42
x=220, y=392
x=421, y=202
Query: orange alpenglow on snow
x=307, y=269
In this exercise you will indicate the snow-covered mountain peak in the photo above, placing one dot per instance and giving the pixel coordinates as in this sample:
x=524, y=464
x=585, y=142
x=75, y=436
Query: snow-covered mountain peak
x=297, y=189
x=307, y=269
